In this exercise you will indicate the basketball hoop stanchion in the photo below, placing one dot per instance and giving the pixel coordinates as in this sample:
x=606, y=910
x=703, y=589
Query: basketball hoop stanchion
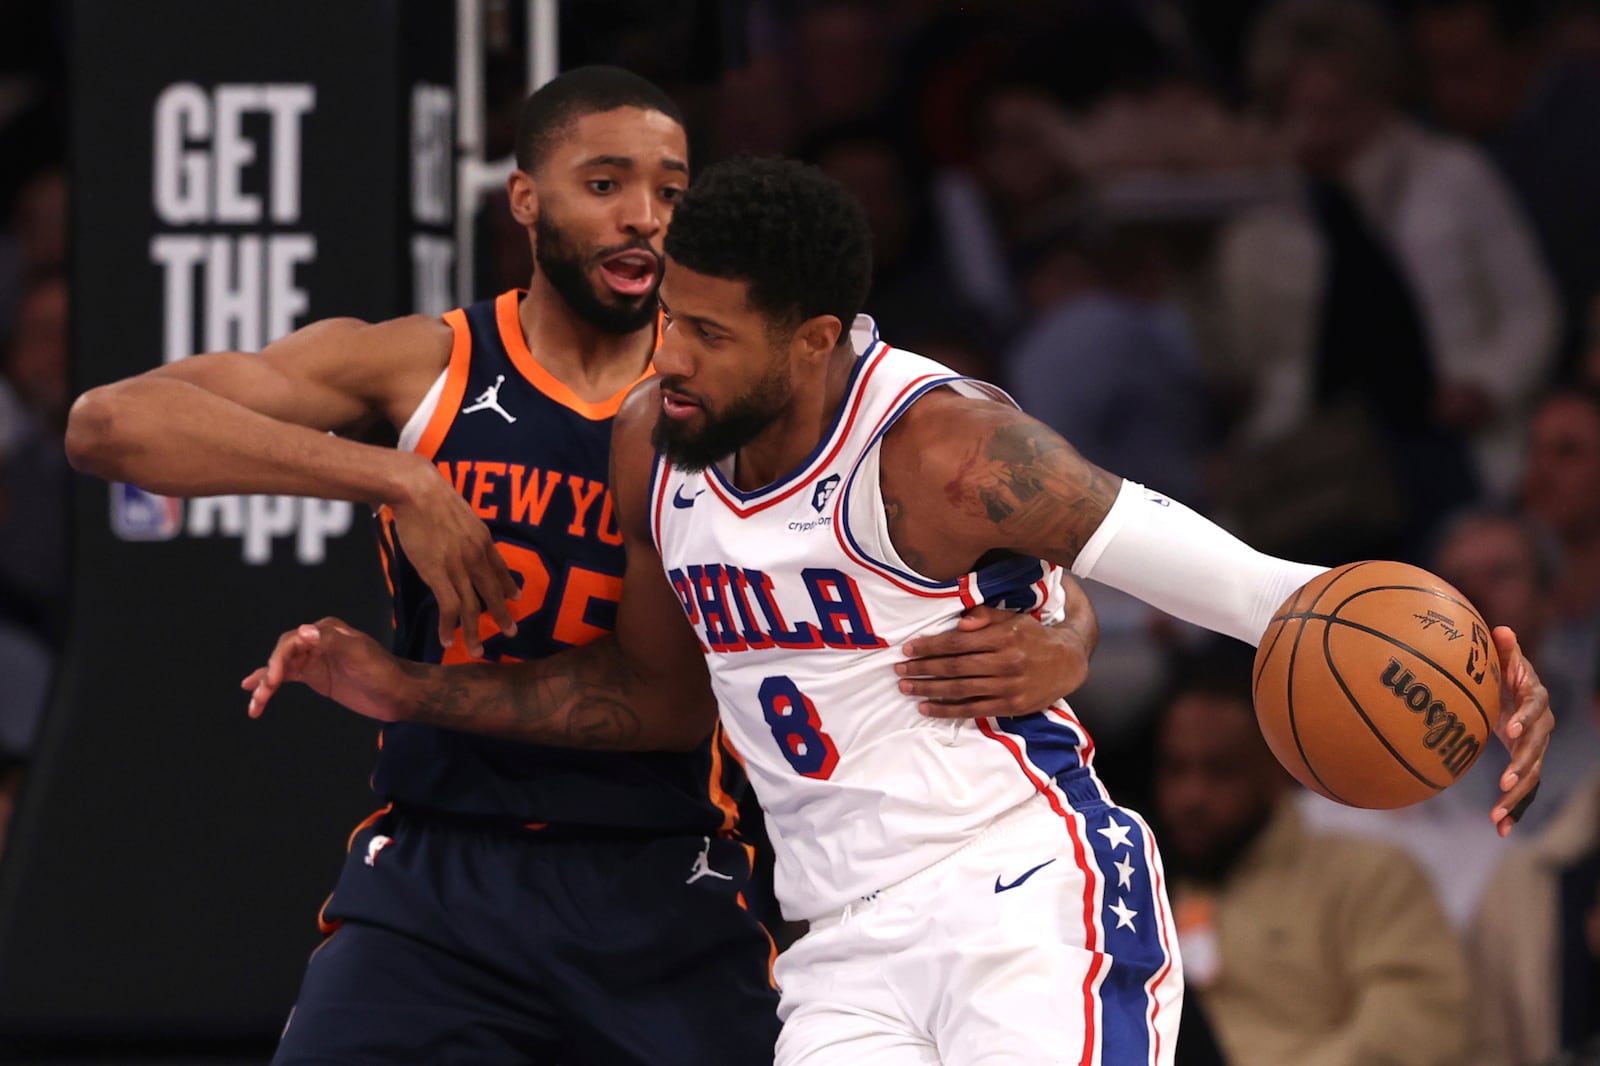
x=476, y=176
x=544, y=60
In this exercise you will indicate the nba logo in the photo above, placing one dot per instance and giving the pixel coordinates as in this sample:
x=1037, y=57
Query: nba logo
x=140, y=515
x=824, y=489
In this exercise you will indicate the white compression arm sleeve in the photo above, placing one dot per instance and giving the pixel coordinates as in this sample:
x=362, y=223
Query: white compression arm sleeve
x=1173, y=559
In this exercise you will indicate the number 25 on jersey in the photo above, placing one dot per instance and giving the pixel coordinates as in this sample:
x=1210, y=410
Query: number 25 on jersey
x=580, y=589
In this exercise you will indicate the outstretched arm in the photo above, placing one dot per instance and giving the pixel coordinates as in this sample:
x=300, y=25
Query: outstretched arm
x=642, y=688
x=966, y=477
x=259, y=423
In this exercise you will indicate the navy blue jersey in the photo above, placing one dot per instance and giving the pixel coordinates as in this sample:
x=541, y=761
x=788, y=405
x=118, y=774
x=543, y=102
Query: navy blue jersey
x=532, y=459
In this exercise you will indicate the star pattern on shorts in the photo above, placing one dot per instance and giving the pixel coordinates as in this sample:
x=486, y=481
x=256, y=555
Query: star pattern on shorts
x=1116, y=833
x=1125, y=914
x=1124, y=872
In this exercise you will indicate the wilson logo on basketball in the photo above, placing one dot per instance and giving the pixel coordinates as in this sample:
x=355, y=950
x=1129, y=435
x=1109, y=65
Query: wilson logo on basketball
x=1446, y=734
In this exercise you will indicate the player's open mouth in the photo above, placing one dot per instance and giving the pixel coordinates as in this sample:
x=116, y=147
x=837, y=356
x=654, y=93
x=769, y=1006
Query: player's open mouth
x=631, y=273
x=677, y=405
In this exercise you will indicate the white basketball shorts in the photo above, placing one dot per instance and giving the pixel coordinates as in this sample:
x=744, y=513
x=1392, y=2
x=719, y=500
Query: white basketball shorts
x=1047, y=939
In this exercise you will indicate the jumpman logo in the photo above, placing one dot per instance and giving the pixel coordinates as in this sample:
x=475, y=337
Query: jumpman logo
x=491, y=400
x=702, y=866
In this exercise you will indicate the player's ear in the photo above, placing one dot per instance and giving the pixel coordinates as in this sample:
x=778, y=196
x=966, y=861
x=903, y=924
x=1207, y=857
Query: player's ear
x=816, y=337
x=524, y=197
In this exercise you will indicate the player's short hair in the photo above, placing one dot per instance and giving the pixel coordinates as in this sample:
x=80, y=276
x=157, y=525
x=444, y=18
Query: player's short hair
x=1219, y=670
x=794, y=234
x=552, y=110
x=1355, y=34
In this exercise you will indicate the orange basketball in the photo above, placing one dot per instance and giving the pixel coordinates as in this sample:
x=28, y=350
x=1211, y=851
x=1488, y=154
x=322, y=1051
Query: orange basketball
x=1377, y=685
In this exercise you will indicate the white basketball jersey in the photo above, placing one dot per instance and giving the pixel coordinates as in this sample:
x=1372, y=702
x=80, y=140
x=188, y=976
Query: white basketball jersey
x=802, y=605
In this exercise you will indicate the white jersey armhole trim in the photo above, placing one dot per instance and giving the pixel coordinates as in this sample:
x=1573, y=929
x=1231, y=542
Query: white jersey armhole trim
x=869, y=463
x=411, y=432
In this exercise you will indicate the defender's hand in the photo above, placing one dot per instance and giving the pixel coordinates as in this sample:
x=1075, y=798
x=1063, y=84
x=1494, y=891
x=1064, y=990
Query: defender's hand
x=454, y=554
x=341, y=663
x=1526, y=723
x=994, y=663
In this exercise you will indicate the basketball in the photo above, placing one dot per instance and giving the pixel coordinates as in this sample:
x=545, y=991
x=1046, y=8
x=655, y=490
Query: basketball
x=1376, y=685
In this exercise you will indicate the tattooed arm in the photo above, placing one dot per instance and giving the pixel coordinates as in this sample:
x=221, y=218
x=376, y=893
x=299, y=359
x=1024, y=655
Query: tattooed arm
x=962, y=478
x=643, y=688
x=966, y=477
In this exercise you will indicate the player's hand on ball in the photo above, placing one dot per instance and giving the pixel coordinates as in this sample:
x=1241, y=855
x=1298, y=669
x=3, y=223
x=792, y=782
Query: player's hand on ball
x=454, y=554
x=1525, y=731
x=994, y=663
x=337, y=661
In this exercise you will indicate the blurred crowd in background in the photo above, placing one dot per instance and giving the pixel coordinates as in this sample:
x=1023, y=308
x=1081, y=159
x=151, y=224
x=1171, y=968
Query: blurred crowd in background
x=1327, y=270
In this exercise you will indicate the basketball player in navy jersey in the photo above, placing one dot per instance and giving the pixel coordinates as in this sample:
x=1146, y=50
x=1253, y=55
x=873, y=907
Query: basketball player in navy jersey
x=510, y=903
x=771, y=405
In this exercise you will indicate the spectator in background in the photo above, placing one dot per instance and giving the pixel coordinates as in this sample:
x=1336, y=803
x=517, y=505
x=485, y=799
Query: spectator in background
x=1562, y=490
x=27, y=664
x=1531, y=948
x=1107, y=360
x=912, y=299
x=40, y=223
x=1401, y=283
x=1511, y=571
x=33, y=370
x=1575, y=29
x=987, y=93
x=1488, y=76
x=1534, y=947
x=987, y=212
x=1316, y=950
x=25, y=658
x=838, y=63
x=35, y=362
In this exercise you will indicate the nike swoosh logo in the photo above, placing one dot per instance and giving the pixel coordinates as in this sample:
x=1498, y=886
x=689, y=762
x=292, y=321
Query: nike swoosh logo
x=678, y=499
x=999, y=887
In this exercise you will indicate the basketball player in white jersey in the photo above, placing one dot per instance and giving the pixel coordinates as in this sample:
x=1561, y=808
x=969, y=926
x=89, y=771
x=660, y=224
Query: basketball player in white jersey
x=817, y=501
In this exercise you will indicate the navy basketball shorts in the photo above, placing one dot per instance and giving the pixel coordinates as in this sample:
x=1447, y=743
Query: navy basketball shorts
x=485, y=945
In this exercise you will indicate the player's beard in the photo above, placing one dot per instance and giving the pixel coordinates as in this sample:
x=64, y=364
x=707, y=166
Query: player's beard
x=1222, y=854
x=693, y=448
x=561, y=263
